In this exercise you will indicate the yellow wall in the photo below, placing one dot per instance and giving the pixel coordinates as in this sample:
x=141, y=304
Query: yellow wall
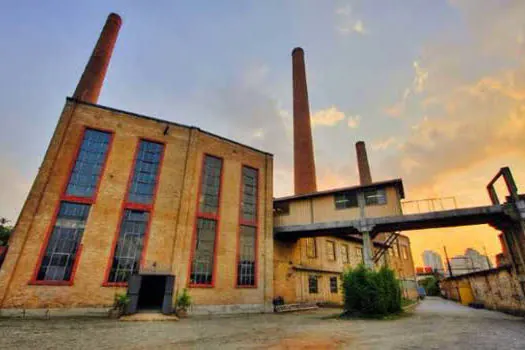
x=322, y=209
x=172, y=222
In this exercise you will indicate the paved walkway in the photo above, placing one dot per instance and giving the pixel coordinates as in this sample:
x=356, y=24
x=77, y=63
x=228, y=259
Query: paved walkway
x=436, y=324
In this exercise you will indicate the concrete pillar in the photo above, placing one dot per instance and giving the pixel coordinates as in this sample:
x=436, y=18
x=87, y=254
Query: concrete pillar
x=303, y=149
x=90, y=84
x=367, y=250
x=365, y=177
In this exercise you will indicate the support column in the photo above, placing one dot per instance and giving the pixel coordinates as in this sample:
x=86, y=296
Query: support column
x=367, y=250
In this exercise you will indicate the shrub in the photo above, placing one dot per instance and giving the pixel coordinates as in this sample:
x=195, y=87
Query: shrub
x=369, y=292
x=184, y=300
x=121, y=301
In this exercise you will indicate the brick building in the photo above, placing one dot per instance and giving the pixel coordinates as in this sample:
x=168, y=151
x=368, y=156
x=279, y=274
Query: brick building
x=130, y=203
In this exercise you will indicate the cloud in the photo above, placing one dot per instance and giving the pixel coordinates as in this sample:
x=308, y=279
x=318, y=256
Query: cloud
x=384, y=144
x=417, y=87
x=469, y=121
x=347, y=23
x=332, y=117
x=354, y=121
x=327, y=117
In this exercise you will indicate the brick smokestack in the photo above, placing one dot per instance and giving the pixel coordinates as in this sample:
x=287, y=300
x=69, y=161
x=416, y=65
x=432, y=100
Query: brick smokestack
x=304, y=164
x=365, y=178
x=90, y=84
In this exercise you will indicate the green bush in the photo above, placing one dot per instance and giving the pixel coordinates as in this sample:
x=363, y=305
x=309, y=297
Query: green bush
x=369, y=292
x=431, y=286
x=184, y=300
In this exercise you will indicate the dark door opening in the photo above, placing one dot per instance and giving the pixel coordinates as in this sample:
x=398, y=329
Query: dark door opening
x=152, y=290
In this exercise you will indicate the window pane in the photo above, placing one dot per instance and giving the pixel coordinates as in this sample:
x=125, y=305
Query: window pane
x=246, y=266
x=312, y=284
x=62, y=247
x=88, y=165
x=359, y=253
x=330, y=250
x=345, y=200
x=202, y=264
x=210, y=185
x=145, y=172
x=375, y=197
x=311, y=249
x=344, y=253
x=249, y=194
x=333, y=284
x=126, y=258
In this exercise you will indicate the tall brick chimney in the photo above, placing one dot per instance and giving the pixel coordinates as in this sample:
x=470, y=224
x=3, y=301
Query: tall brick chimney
x=304, y=163
x=90, y=84
x=365, y=178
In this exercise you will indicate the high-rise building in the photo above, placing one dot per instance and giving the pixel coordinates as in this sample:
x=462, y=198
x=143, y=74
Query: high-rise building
x=471, y=261
x=433, y=260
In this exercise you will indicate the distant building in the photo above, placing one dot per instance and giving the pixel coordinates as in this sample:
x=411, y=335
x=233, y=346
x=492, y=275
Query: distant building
x=471, y=261
x=433, y=260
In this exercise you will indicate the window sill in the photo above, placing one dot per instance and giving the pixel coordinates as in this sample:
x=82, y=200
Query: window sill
x=115, y=284
x=51, y=283
x=246, y=287
x=200, y=285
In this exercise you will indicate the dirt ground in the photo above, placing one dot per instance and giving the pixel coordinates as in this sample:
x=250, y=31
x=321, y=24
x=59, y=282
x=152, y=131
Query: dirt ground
x=435, y=324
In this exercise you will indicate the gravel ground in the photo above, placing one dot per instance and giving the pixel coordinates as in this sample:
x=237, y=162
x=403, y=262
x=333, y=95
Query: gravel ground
x=435, y=324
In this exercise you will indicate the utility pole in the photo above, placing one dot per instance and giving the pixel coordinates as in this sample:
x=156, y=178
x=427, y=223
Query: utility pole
x=448, y=262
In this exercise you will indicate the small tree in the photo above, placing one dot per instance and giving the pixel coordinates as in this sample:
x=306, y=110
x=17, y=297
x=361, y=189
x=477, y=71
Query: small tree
x=431, y=286
x=368, y=292
x=5, y=231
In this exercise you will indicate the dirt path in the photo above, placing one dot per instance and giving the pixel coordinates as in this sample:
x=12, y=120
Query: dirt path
x=435, y=324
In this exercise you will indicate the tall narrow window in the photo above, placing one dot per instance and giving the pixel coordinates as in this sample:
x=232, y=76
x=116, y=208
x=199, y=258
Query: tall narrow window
x=311, y=249
x=202, y=262
x=136, y=215
x=128, y=250
x=58, y=260
x=88, y=165
x=145, y=172
x=202, y=266
x=313, y=284
x=344, y=253
x=330, y=250
x=62, y=247
x=247, y=255
x=359, y=253
x=333, y=284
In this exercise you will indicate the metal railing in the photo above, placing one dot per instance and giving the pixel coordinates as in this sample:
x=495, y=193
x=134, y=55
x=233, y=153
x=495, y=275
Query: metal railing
x=429, y=205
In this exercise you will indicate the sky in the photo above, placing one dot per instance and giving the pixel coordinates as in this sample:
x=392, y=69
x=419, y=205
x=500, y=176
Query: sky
x=435, y=88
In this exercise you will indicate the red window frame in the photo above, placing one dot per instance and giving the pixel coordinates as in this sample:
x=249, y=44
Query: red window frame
x=73, y=199
x=199, y=215
x=254, y=223
x=135, y=206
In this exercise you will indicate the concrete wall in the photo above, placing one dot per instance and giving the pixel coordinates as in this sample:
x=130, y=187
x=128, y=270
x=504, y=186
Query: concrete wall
x=172, y=221
x=497, y=289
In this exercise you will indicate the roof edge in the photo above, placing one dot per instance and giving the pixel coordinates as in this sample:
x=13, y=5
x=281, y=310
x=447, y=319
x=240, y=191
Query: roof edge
x=111, y=109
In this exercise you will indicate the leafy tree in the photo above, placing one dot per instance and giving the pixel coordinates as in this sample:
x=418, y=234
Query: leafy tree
x=5, y=231
x=431, y=286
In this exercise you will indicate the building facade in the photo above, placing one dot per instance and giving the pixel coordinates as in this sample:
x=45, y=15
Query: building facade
x=126, y=203
x=121, y=194
x=309, y=269
x=433, y=259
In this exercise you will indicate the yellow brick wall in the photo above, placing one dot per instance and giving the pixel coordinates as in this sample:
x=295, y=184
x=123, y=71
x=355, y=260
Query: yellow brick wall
x=172, y=222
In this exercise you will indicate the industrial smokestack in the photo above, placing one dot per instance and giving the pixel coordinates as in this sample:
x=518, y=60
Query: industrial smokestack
x=304, y=164
x=365, y=178
x=90, y=84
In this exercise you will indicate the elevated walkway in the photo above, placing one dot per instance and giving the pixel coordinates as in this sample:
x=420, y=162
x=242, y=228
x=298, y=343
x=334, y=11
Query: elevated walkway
x=494, y=215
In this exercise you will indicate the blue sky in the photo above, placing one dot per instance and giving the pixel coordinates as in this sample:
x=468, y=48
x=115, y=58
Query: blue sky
x=420, y=81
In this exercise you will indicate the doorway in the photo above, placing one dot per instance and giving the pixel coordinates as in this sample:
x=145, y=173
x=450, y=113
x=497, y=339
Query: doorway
x=151, y=294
